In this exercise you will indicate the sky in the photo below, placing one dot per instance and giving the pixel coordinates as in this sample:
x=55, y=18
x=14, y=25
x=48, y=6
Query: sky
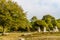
x=40, y=8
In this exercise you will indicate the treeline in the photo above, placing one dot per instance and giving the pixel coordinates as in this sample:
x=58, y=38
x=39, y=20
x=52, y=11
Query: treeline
x=13, y=18
x=47, y=23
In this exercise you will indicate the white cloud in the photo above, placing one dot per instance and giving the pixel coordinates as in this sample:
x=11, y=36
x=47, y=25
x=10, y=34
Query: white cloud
x=40, y=7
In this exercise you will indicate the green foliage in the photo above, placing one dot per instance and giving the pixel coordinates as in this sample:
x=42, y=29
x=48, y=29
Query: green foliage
x=58, y=23
x=40, y=22
x=34, y=18
x=58, y=20
x=47, y=21
x=48, y=18
x=12, y=16
x=50, y=26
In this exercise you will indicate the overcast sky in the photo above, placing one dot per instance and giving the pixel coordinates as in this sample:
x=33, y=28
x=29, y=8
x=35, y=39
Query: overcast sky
x=40, y=7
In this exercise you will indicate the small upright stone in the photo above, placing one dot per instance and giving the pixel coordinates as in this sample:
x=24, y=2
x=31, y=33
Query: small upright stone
x=21, y=39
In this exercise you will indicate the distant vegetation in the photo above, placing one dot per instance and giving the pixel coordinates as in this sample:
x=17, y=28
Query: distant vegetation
x=13, y=18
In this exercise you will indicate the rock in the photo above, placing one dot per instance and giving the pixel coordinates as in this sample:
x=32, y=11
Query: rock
x=21, y=39
x=26, y=34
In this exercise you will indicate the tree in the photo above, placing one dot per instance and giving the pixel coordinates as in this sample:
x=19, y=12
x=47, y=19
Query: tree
x=50, y=20
x=58, y=24
x=12, y=15
x=33, y=19
x=41, y=24
x=50, y=26
x=58, y=20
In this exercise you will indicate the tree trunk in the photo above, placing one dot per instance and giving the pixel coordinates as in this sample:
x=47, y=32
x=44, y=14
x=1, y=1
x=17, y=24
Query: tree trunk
x=3, y=31
x=56, y=29
x=39, y=29
x=44, y=29
x=28, y=29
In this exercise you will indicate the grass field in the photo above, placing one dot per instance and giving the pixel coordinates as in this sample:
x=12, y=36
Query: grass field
x=31, y=36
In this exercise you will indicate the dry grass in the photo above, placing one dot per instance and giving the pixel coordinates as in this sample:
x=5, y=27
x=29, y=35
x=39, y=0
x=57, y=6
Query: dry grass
x=10, y=36
x=33, y=36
